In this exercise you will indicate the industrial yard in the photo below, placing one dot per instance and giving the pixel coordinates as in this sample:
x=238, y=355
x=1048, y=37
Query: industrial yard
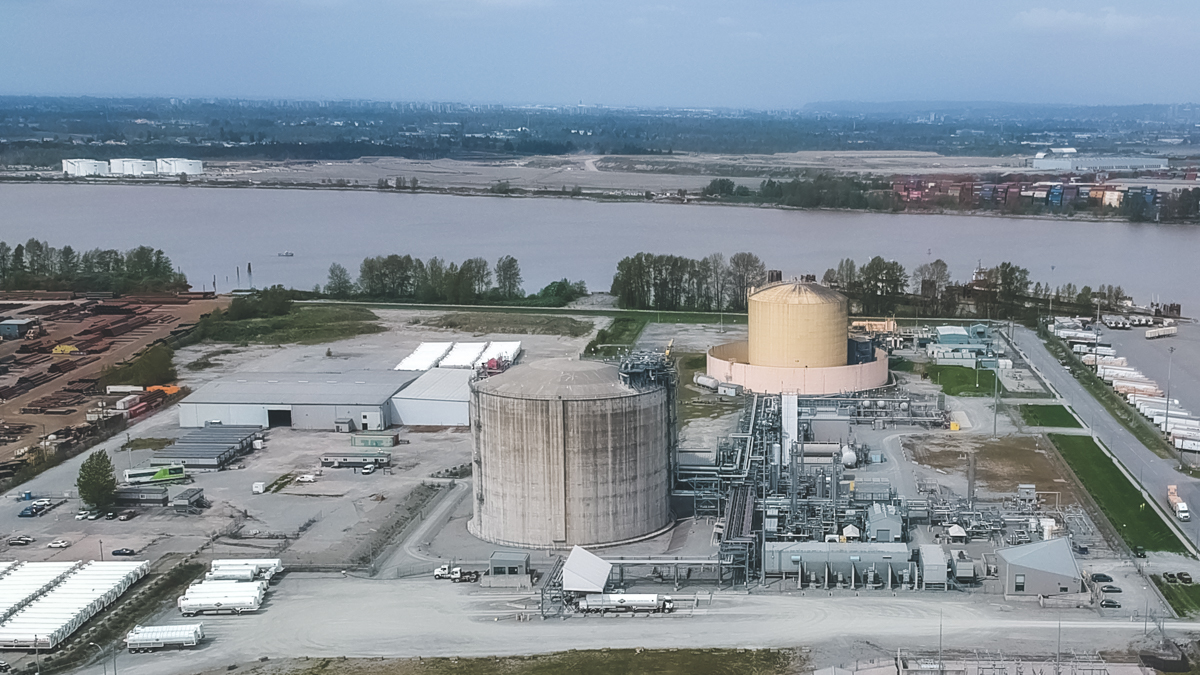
x=891, y=502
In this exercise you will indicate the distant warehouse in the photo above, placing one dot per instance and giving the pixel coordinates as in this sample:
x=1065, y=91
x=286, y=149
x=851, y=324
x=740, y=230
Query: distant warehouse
x=1066, y=159
x=167, y=166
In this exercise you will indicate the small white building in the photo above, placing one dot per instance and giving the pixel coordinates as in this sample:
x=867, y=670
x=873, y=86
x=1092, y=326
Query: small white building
x=132, y=167
x=84, y=167
x=173, y=166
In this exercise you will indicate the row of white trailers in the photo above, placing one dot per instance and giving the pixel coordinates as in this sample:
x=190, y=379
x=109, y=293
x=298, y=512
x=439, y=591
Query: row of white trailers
x=47, y=602
x=234, y=586
x=1180, y=425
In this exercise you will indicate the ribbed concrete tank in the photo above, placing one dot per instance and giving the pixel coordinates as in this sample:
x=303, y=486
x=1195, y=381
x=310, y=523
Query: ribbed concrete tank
x=566, y=454
x=797, y=325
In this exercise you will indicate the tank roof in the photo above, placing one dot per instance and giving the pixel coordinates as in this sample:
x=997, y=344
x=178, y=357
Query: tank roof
x=798, y=293
x=557, y=378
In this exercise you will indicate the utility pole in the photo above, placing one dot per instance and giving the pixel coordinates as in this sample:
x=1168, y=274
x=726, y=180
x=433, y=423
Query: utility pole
x=1167, y=415
x=995, y=401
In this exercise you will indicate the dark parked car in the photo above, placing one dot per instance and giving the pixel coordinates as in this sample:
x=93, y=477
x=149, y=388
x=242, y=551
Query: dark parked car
x=1169, y=577
x=124, y=551
x=111, y=515
x=127, y=514
x=1110, y=589
x=1101, y=578
x=1110, y=604
x=1184, y=577
x=20, y=540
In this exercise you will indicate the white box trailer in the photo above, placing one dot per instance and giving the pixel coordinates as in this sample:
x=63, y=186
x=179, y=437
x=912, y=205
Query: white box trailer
x=230, y=574
x=1165, y=331
x=151, y=638
x=257, y=584
x=217, y=605
x=1188, y=444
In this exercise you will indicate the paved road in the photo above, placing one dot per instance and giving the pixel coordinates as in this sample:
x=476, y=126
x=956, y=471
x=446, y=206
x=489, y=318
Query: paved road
x=311, y=615
x=1154, y=472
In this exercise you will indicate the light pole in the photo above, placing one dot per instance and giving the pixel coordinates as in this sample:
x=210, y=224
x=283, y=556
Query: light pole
x=101, y=550
x=103, y=661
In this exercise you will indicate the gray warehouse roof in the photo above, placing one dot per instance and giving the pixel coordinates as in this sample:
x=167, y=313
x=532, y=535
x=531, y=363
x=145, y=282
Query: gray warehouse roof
x=1050, y=555
x=440, y=384
x=557, y=378
x=353, y=388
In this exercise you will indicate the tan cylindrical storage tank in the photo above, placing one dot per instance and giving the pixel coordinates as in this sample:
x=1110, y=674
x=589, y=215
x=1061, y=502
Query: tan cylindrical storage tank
x=567, y=454
x=797, y=325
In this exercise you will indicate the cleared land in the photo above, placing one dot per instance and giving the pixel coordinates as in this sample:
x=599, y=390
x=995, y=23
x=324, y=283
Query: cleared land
x=306, y=324
x=1048, y=416
x=516, y=323
x=594, y=662
x=1000, y=465
x=1184, y=598
x=1136, y=521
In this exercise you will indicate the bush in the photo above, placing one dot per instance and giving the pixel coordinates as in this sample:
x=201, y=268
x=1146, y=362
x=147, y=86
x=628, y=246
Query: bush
x=151, y=367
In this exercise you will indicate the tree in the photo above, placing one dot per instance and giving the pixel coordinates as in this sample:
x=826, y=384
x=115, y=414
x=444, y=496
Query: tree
x=339, y=284
x=97, y=483
x=931, y=279
x=413, y=182
x=745, y=272
x=881, y=283
x=1013, y=286
x=847, y=274
x=508, y=278
x=719, y=187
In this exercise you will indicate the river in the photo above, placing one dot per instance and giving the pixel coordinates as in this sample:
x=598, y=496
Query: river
x=211, y=231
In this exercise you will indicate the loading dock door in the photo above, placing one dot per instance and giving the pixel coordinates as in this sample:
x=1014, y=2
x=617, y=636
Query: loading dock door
x=279, y=418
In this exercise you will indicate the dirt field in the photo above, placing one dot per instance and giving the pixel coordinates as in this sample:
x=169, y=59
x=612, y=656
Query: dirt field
x=605, y=662
x=1000, y=465
x=633, y=174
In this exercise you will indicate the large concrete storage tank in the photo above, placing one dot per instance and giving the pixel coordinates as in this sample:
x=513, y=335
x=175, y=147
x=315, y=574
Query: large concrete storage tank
x=566, y=453
x=797, y=325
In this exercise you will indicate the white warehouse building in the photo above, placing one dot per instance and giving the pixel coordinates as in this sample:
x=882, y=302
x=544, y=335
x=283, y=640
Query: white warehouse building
x=85, y=167
x=371, y=400
x=131, y=167
x=173, y=166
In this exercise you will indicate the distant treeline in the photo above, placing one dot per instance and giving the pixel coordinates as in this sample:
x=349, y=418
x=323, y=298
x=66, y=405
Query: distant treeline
x=36, y=265
x=474, y=282
x=825, y=190
x=876, y=288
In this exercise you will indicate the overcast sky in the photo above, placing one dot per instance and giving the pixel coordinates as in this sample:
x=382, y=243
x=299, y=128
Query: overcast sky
x=756, y=53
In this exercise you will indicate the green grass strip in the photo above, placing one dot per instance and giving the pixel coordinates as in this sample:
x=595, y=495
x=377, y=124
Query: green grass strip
x=1136, y=521
x=1049, y=416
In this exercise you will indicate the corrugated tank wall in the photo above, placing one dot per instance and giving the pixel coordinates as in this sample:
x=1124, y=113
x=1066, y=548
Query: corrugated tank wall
x=561, y=472
x=797, y=329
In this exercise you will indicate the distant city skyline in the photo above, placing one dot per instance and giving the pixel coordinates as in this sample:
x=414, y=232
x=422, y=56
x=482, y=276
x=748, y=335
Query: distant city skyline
x=763, y=54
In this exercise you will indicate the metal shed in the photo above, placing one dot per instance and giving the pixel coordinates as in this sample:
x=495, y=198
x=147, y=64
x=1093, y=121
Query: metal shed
x=145, y=495
x=15, y=329
x=828, y=564
x=1042, y=568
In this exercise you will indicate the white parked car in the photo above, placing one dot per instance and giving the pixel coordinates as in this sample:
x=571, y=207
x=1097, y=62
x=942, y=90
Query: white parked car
x=42, y=502
x=60, y=543
x=306, y=478
x=82, y=515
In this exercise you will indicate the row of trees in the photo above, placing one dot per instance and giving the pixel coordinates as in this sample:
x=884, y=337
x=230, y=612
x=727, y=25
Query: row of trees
x=822, y=190
x=878, y=287
x=670, y=283
x=474, y=281
x=36, y=265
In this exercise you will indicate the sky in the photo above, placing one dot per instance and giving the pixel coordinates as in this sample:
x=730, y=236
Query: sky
x=761, y=54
